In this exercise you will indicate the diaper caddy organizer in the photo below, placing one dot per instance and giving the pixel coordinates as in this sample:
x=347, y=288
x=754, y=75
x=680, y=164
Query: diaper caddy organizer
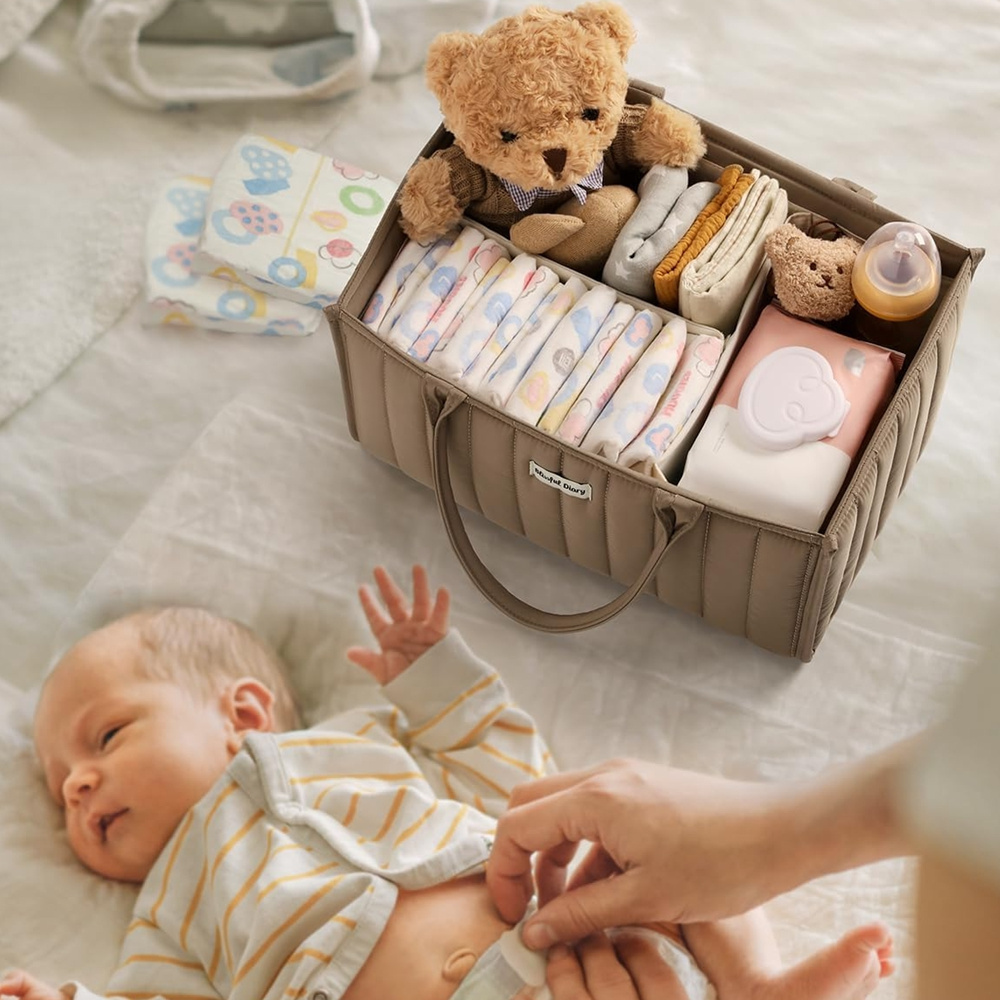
x=724, y=560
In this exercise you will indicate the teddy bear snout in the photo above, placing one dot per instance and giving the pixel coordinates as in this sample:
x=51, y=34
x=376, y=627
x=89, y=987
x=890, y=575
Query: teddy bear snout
x=555, y=160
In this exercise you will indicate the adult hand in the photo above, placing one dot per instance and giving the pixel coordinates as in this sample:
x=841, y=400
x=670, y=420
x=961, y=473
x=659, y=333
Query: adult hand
x=16, y=983
x=678, y=846
x=629, y=969
x=407, y=632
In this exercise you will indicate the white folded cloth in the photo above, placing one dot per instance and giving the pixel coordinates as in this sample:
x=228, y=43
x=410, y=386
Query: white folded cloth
x=714, y=286
x=176, y=295
x=290, y=221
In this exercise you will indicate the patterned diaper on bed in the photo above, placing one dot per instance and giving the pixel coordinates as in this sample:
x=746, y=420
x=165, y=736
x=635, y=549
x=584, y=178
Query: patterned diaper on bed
x=178, y=296
x=290, y=221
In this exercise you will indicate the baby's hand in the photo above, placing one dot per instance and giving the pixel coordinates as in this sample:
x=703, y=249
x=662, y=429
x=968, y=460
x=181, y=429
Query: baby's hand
x=411, y=631
x=16, y=983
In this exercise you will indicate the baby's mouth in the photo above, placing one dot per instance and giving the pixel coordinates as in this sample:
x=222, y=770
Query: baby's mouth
x=106, y=821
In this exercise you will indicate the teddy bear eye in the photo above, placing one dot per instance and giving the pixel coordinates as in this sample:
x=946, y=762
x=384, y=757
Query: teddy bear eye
x=591, y=114
x=840, y=270
x=812, y=265
x=508, y=136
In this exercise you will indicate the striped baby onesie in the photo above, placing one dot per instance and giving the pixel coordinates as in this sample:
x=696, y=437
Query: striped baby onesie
x=277, y=884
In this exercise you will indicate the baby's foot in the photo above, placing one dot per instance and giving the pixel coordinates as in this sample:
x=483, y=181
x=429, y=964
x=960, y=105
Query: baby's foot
x=849, y=969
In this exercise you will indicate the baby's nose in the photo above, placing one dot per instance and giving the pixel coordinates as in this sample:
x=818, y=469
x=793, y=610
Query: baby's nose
x=80, y=783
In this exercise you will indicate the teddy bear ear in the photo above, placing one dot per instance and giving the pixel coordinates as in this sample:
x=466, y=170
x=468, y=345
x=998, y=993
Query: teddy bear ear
x=444, y=55
x=782, y=239
x=610, y=20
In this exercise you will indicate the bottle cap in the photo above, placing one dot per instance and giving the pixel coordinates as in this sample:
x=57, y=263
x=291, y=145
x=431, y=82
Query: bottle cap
x=897, y=273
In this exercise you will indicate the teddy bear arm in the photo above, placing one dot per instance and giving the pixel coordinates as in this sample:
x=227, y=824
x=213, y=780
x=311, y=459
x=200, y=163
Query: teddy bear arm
x=437, y=192
x=667, y=136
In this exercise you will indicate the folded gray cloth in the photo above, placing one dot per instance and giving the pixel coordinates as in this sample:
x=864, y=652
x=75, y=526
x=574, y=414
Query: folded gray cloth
x=667, y=207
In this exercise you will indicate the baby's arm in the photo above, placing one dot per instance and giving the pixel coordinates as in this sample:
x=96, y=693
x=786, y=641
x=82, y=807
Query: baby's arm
x=408, y=632
x=458, y=719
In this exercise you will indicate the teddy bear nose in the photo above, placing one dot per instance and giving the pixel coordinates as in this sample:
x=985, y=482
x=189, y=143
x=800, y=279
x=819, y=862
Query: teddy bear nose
x=555, y=159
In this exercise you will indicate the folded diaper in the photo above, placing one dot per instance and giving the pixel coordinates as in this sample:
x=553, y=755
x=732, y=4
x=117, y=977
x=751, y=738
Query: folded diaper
x=790, y=416
x=508, y=369
x=560, y=353
x=290, y=221
x=714, y=286
x=542, y=282
x=667, y=208
x=409, y=256
x=611, y=329
x=601, y=386
x=428, y=297
x=178, y=296
x=639, y=394
x=477, y=327
x=114, y=51
x=489, y=256
x=686, y=388
x=733, y=184
x=412, y=280
x=495, y=272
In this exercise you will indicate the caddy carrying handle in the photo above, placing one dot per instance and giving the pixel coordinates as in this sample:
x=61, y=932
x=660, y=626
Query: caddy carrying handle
x=675, y=515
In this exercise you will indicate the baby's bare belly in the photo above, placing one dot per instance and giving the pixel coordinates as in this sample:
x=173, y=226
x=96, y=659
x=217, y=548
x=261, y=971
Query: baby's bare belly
x=426, y=931
x=427, y=928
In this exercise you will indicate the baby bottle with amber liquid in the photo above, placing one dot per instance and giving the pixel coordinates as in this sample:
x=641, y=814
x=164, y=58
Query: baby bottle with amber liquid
x=896, y=279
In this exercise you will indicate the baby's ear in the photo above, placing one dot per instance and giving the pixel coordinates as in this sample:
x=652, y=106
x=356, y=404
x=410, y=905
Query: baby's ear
x=249, y=706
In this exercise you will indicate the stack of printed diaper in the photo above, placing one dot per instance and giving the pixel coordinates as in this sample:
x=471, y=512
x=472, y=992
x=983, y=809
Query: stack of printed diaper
x=697, y=249
x=615, y=380
x=263, y=246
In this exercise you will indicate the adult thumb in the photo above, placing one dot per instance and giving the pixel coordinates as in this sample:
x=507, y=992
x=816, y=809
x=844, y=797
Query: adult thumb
x=578, y=912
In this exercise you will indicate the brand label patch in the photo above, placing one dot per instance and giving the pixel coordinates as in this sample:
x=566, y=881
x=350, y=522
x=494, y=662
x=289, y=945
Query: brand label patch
x=581, y=491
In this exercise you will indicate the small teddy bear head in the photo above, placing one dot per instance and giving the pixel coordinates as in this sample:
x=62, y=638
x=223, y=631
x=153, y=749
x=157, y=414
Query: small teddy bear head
x=537, y=97
x=812, y=276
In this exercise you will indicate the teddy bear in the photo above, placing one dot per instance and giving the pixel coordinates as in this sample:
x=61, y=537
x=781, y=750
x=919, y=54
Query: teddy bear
x=812, y=275
x=543, y=136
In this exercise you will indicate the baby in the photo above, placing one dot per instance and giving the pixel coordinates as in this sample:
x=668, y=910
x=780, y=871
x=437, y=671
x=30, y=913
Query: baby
x=343, y=861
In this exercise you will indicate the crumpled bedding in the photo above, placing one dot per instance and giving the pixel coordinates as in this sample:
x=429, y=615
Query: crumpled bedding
x=215, y=467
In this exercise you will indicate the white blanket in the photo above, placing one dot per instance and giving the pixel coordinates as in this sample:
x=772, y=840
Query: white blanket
x=271, y=496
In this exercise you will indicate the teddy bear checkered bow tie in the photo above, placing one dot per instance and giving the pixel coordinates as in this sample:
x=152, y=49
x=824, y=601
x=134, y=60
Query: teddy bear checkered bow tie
x=524, y=199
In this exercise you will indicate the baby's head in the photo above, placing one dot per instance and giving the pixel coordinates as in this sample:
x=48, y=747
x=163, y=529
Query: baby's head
x=140, y=718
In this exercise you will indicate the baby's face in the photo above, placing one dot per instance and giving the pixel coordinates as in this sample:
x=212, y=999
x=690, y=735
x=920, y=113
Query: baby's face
x=125, y=757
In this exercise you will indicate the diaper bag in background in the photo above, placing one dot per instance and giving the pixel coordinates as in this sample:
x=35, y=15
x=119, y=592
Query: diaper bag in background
x=777, y=586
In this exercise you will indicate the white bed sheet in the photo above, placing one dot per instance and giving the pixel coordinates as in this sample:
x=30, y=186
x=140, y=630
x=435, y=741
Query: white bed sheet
x=226, y=461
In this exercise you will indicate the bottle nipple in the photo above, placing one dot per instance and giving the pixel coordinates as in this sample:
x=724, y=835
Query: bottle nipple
x=897, y=273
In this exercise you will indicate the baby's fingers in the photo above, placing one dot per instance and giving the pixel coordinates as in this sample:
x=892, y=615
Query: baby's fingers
x=442, y=605
x=377, y=621
x=421, y=594
x=395, y=599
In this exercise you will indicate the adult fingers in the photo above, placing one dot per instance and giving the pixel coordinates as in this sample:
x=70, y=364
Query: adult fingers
x=544, y=824
x=596, y=865
x=592, y=907
x=653, y=978
x=588, y=974
x=550, y=871
x=605, y=975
